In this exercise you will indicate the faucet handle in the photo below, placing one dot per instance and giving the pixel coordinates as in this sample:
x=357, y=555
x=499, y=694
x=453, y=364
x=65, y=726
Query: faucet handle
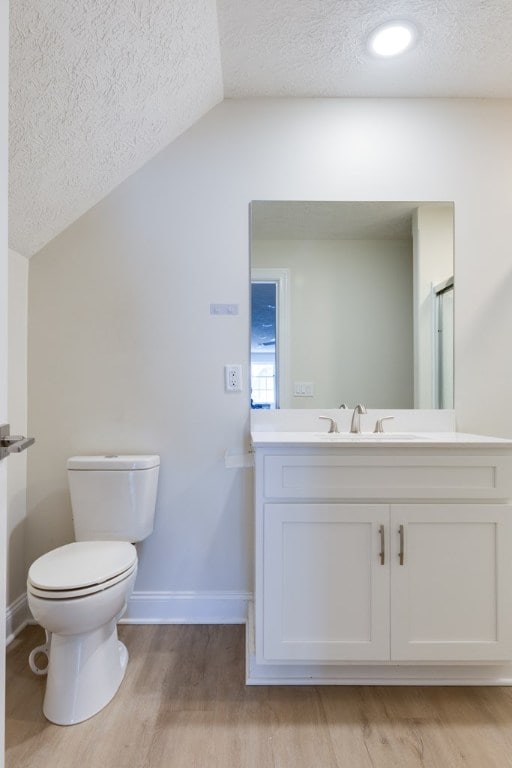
x=379, y=427
x=333, y=427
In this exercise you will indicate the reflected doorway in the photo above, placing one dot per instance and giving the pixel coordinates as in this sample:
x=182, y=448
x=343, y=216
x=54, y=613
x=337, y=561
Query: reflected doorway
x=263, y=345
x=269, y=350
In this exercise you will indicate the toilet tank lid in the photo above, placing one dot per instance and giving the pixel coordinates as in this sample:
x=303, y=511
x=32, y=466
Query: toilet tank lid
x=113, y=462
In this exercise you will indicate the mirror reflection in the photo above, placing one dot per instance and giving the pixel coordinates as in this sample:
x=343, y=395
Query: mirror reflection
x=351, y=302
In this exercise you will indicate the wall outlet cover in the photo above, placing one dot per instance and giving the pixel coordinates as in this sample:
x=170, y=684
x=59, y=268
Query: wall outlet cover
x=233, y=378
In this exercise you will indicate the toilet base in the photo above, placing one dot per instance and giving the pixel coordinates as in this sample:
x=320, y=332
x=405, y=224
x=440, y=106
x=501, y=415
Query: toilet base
x=84, y=673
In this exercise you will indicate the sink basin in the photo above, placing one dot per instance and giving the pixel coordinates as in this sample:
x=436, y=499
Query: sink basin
x=368, y=436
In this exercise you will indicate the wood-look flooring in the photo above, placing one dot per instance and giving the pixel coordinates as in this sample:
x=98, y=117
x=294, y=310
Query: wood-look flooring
x=183, y=704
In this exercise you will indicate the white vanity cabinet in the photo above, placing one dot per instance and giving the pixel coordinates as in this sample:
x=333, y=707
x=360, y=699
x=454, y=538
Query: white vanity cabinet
x=382, y=556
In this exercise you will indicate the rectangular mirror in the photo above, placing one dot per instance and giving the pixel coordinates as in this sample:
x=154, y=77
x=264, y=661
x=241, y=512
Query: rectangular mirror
x=351, y=302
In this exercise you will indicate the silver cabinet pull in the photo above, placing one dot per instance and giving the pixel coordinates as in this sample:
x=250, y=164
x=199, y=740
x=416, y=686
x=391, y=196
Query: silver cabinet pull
x=401, y=553
x=382, y=553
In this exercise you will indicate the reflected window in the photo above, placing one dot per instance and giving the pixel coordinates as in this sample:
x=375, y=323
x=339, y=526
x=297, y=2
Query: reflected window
x=263, y=344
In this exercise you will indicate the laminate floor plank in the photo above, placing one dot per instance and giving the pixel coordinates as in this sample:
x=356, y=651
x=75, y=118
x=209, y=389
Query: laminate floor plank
x=184, y=704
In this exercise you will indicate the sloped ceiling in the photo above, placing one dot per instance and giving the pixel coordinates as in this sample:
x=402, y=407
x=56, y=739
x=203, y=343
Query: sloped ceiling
x=99, y=87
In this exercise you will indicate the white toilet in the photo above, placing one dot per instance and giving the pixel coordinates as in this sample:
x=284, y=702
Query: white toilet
x=79, y=591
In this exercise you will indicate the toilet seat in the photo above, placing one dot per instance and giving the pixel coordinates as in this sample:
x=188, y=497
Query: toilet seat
x=81, y=568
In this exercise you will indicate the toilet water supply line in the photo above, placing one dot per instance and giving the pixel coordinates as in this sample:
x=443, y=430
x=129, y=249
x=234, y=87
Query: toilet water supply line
x=45, y=650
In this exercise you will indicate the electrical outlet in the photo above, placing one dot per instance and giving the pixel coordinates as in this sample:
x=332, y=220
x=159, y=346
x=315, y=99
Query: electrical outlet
x=233, y=378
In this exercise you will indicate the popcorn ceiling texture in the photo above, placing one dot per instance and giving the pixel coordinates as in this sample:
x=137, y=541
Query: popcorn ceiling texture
x=97, y=89
x=318, y=48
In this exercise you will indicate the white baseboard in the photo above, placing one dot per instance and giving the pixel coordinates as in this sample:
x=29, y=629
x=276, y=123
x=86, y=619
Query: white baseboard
x=222, y=607
x=17, y=616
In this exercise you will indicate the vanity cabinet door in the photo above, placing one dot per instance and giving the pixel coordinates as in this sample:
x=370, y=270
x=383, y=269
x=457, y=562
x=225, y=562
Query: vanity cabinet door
x=326, y=584
x=451, y=581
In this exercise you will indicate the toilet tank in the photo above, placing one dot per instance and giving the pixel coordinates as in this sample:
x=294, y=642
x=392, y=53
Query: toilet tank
x=113, y=497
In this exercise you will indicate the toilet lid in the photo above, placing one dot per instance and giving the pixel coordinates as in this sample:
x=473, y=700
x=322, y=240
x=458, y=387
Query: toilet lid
x=82, y=564
x=73, y=594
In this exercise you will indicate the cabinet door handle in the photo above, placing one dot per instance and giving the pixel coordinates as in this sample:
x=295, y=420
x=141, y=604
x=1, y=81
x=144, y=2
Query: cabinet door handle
x=401, y=553
x=382, y=553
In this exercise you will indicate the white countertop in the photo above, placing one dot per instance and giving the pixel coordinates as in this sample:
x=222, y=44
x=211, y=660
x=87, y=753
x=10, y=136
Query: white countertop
x=389, y=439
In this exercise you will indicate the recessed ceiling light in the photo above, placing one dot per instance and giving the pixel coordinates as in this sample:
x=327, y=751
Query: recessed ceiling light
x=392, y=38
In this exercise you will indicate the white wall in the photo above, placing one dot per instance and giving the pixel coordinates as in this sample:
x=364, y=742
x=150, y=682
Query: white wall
x=17, y=408
x=350, y=319
x=123, y=354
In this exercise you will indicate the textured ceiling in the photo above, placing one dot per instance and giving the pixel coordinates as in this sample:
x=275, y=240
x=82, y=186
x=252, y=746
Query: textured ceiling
x=99, y=87
x=301, y=220
x=318, y=48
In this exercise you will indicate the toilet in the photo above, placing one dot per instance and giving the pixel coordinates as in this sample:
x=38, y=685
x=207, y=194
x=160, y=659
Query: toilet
x=78, y=592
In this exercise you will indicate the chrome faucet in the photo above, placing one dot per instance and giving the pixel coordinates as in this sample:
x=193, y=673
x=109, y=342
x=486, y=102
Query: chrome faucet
x=356, y=418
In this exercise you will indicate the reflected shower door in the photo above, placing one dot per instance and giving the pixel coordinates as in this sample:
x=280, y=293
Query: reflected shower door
x=444, y=344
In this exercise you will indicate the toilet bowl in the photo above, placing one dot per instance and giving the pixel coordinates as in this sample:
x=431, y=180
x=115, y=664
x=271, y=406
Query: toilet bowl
x=78, y=593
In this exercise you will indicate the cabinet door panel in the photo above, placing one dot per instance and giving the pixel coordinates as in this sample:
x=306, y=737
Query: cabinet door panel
x=450, y=596
x=326, y=593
